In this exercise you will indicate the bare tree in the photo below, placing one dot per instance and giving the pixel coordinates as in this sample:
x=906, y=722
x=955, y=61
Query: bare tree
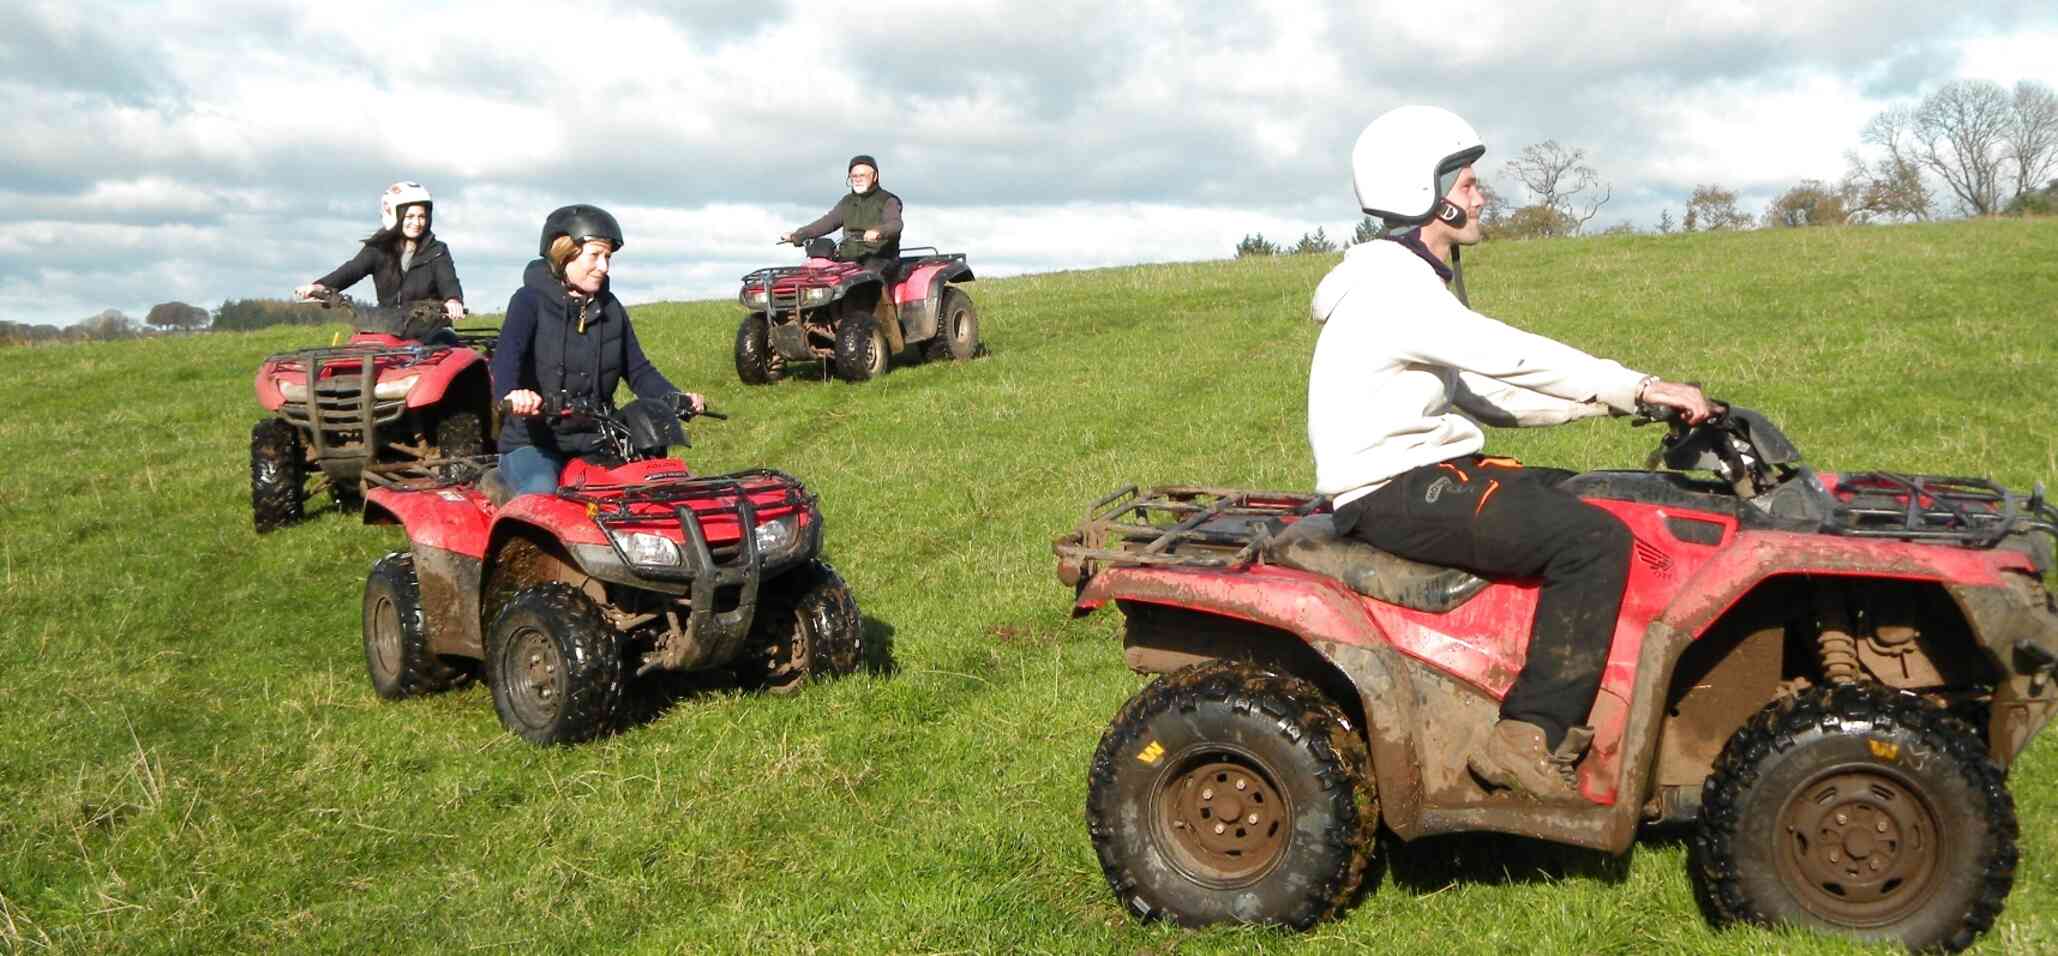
x=1713, y=207
x=1558, y=178
x=1959, y=134
x=1887, y=188
x=2033, y=135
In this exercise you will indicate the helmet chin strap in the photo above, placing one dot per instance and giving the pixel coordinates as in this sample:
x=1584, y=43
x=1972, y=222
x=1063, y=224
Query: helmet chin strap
x=1451, y=215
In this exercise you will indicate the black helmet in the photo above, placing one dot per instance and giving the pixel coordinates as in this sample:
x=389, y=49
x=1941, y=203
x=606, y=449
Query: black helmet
x=582, y=223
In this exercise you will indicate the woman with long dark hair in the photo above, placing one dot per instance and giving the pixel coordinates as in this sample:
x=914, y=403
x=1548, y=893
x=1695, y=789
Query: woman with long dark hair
x=406, y=261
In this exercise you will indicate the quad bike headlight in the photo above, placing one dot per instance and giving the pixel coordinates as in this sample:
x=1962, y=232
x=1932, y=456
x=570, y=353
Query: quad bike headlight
x=291, y=390
x=755, y=297
x=397, y=388
x=818, y=294
x=776, y=536
x=643, y=547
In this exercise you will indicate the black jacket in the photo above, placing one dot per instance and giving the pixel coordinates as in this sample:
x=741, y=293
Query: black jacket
x=854, y=214
x=543, y=348
x=430, y=274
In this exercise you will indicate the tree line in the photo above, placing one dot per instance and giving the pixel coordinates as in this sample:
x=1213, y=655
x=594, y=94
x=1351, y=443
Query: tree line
x=1972, y=147
x=234, y=315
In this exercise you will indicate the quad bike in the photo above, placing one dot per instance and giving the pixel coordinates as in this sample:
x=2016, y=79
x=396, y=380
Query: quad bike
x=1826, y=675
x=429, y=397
x=635, y=564
x=840, y=315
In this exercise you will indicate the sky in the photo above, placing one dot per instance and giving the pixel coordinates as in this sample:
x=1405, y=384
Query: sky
x=202, y=152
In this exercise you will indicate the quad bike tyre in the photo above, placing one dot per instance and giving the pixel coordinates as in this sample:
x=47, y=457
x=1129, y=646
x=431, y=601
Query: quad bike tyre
x=861, y=353
x=555, y=665
x=756, y=362
x=1860, y=810
x=396, y=645
x=957, y=328
x=1225, y=793
x=278, y=475
x=807, y=627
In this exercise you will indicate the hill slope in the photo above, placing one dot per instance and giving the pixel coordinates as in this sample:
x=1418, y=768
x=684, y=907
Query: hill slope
x=192, y=758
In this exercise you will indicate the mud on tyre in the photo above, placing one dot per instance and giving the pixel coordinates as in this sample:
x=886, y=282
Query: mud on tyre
x=1225, y=793
x=396, y=644
x=460, y=435
x=278, y=475
x=807, y=627
x=555, y=665
x=1859, y=810
x=756, y=362
x=957, y=328
x=860, y=349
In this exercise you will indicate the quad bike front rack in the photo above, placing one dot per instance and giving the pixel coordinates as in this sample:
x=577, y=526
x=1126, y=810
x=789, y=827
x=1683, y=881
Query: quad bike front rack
x=705, y=568
x=1180, y=526
x=1969, y=512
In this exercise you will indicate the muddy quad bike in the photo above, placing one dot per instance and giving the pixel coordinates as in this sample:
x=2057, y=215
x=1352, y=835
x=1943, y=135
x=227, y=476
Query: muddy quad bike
x=403, y=394
x=1828, y=675
x=851, y=320
x=635, y=564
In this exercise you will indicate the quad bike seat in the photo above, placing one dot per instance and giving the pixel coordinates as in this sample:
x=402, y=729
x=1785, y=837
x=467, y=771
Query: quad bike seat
x=1312, y=545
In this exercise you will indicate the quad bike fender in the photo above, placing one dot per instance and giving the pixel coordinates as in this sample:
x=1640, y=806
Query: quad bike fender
x=267, y=391
x=446, y=530
x=920, y=297
x=1293, y=601
x=461, y=374
x=1756, y=556
x=450, y=519
x=573, y=538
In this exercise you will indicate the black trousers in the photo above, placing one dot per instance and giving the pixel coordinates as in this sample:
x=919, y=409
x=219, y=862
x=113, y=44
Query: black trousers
x=1500, y=520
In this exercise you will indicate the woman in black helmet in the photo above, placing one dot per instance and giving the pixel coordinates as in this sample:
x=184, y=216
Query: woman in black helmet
x=568, y=337
x=406, y=261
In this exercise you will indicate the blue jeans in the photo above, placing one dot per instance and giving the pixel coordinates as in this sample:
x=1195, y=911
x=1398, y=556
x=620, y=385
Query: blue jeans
x=530, y=470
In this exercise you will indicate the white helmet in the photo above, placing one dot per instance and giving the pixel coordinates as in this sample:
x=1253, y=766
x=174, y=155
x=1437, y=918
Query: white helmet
x=397, y=195
x=1406, y=161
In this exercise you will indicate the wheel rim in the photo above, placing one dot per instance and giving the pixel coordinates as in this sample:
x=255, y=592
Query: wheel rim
x=385, y=643
x=1223, y=819
x=1860, y=846
x=960, y=330
x=878, y=363
x=534, y=675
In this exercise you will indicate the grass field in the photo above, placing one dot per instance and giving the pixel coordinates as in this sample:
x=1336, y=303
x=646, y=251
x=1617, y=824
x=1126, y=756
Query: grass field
x=191, y=758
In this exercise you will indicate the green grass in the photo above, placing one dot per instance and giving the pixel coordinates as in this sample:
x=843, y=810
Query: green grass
x=192, y=758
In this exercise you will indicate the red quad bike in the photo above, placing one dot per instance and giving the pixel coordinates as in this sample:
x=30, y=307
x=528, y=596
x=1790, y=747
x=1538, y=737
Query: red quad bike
x=385, y=406
x=1828, y=675
x=836, y=313
x=626, y=569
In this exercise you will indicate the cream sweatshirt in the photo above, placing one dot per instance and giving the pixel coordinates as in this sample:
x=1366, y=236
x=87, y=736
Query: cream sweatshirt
x=1404, y=374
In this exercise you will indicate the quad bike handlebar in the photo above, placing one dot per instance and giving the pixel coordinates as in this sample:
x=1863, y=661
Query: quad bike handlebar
x=557, y=407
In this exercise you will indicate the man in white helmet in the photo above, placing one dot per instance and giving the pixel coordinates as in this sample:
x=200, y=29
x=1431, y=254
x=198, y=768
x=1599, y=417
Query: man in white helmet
x=1404, y=375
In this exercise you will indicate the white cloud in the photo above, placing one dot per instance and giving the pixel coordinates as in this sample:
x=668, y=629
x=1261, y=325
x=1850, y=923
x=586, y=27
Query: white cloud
x=236, y=150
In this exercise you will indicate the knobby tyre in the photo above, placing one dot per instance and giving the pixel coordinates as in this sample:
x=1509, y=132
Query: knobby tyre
x=807, y=627
x=756, y=363
x=1226, y=793
x=860, y=349
x=1860, y=810
x=555, y=665
x=396, y=642
x=957, y=328
x=278, y=475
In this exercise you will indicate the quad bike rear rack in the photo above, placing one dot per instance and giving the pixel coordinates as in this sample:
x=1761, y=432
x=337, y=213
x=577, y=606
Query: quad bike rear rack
x=1968, y=512
x=1180, y=526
